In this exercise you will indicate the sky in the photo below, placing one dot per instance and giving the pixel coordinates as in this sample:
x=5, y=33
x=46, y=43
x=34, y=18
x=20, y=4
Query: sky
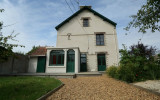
x=35, y=20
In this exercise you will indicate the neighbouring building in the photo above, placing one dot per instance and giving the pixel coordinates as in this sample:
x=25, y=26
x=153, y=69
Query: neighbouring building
x=86, y=41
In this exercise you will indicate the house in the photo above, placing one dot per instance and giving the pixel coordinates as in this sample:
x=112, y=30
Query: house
x=86, y=41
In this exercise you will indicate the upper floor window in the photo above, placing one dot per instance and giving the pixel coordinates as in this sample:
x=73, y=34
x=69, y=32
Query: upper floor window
x=85, y=22
x=99, y=39
x=56, y=57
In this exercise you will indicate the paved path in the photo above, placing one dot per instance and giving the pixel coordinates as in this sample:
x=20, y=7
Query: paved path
x=153, y=85
x=99, y=88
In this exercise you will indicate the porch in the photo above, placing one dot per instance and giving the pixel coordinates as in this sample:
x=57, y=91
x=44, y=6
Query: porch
x=62, y=60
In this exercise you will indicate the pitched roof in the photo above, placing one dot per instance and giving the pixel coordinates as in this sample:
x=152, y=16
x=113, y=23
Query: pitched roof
x=79, y=11
x=39, y=51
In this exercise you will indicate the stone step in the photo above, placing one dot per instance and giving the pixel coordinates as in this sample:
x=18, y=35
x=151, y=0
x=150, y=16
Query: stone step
x=86, y=74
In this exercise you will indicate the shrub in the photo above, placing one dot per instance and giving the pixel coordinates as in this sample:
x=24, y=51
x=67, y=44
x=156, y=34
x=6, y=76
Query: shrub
x=137, y=64
x=157, y=62
x=112, y=71
x=126, y=73
x=5, y=54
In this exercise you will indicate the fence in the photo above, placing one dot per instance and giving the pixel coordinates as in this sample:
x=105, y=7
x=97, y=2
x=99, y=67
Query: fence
x=18, y=64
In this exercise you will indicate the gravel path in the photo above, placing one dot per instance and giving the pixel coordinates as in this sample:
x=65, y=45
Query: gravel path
x=99, y=88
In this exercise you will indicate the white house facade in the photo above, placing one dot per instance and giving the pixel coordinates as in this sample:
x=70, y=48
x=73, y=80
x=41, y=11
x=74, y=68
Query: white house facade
x=86, y=41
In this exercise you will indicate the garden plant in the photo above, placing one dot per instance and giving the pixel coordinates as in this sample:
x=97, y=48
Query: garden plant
x=139, y=63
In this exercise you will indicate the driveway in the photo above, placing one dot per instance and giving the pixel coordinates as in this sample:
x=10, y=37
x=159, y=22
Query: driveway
x=99, y=88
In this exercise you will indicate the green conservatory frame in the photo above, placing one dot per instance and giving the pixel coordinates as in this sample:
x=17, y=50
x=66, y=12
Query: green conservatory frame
x=59, y=58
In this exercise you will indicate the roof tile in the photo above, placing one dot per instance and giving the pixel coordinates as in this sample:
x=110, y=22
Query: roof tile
x=39, y=51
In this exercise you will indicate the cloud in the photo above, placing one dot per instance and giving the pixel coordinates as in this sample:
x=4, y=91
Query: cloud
x=35, y=20
x=133, y=37
x=119, y=11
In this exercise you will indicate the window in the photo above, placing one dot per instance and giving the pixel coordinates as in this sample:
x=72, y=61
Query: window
x=85, y=22
x=83, y=58
x=57, y=57
x=99, y=39
x=83, y=63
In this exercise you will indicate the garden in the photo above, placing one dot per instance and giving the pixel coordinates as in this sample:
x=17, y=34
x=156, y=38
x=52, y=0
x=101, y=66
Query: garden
x=26, y=88
x=138, y=63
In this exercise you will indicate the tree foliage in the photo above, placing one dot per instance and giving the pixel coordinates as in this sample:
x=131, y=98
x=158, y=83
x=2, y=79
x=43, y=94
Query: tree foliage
x=5, y=47
x=33, y=49
x=148, y=17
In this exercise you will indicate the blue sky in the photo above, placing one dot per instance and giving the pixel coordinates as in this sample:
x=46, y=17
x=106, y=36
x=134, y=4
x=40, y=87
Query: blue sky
x=35, y=20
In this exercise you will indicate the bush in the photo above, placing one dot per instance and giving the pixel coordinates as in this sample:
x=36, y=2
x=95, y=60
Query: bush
x=112, y=71
x=5, y=54
x=126, y=73
x=137, y=64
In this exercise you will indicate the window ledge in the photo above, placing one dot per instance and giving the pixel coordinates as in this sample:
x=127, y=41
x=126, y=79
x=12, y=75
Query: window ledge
x=100, y=45
x=56, y=66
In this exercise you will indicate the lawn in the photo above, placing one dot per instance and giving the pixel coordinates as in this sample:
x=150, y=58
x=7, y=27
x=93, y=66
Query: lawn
x=26, y=88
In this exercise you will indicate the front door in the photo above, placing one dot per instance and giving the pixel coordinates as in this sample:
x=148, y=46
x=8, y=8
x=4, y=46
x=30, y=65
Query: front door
x=83, y=67
x=101, y=62
x=70, y=61
x=41, y=64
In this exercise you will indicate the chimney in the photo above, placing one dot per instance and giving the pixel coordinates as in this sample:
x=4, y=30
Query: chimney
x=85, y=7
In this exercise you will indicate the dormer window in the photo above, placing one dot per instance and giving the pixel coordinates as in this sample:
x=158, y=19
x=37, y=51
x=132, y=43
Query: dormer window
x=85, y=22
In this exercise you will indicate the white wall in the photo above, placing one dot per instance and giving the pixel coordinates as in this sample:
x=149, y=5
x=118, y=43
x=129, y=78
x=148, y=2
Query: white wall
x=32, y=64
x=85, y=38
x=92, y=62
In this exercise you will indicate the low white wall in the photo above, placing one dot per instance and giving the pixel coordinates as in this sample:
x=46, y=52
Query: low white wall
x=32, y=65
x=56, y=69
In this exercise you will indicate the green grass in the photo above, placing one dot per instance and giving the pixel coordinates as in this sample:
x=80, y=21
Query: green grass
x=26, y=88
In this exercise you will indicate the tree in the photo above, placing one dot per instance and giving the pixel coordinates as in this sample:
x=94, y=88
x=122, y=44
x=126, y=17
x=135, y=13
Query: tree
x=148, y=17
x=32, y=50
x=143, y=50
x=138, y=63
x=5, y=47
